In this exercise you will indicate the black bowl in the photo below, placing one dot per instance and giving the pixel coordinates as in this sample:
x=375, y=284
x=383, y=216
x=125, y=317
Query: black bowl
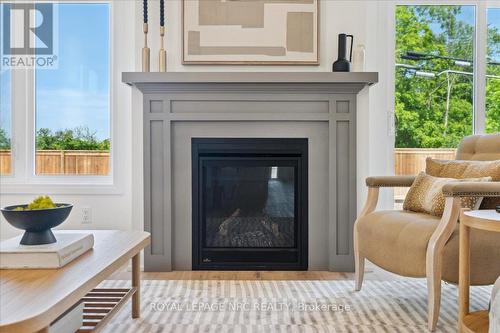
x=37, y=223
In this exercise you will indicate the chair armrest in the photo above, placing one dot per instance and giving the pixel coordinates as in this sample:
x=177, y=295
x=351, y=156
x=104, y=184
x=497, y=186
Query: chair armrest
x=390, y=181
x=472, y=189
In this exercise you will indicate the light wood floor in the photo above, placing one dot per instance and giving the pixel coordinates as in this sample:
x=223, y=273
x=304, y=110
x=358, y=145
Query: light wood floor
x=371, y=273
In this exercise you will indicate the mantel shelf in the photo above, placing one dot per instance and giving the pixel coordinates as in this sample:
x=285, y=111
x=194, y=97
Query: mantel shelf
x=365, y=78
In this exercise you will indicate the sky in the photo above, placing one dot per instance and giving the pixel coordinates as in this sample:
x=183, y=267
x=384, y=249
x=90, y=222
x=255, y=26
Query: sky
x=77, y=93
x=493, y=16
x=494, y=20
x=467, y=15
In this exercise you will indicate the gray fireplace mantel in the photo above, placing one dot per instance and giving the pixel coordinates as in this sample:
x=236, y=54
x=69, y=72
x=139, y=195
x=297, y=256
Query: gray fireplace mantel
x=232, y=81
x=363, y=78
x=295, y=99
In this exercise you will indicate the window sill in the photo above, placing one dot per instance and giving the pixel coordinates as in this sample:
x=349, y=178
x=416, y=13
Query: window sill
x=59, y=188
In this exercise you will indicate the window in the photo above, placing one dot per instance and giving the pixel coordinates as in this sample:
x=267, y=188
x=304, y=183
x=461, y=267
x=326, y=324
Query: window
x=72, y=102
x=63, y=122
x=439, y=50
x=434, y=79
x=493, y=72
x=5, y=122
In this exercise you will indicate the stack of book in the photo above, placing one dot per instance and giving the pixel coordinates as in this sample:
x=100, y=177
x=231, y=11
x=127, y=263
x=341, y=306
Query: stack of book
x=69, y=246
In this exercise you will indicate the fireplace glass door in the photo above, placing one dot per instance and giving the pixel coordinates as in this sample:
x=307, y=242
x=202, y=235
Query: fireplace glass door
x=249, y=204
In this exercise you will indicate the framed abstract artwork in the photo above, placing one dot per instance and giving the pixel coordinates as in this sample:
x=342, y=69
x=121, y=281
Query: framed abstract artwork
x=272, y=32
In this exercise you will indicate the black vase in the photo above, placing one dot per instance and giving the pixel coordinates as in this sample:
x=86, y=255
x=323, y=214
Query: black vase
x=342, y=64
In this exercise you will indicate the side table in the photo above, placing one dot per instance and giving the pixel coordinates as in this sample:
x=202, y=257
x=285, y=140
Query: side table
x=488, y=220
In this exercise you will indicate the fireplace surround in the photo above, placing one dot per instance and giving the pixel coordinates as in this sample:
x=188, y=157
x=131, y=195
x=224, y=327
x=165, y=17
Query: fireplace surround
x=179, y=107
x=249, y=202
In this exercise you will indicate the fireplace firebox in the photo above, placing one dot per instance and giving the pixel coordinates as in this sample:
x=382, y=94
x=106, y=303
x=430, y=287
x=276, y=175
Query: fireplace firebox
x=249, y=203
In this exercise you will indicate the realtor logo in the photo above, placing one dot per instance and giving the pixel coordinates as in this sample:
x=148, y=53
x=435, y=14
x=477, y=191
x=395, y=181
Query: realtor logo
x=28, y=35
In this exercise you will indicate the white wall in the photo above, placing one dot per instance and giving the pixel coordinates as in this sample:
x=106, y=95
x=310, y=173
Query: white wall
x=366, y=20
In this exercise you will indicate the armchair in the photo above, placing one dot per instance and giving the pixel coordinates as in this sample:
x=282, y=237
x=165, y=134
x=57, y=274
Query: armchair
x=420, y=245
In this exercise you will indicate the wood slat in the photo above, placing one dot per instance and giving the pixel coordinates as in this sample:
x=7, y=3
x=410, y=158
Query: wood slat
x=107, y=290
x=93, y=316
x=106, y=294
x=92, y=321
x=99, y=305
x=98, y=310
x=101, y=299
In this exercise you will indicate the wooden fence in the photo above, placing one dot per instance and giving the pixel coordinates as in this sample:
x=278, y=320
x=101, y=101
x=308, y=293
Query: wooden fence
x=410, y=161
x=94, y=162
x=67, y=162
x=5, y=162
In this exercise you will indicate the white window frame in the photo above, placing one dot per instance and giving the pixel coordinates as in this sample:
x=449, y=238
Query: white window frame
x=23, y=178
x=480, y=51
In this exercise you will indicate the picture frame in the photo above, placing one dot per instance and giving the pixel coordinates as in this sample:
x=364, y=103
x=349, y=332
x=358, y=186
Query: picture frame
x=225, y=32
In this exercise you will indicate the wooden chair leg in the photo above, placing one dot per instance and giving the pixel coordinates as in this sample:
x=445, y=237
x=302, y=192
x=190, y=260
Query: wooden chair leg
x=359, y=262
x=359, y=259
x=433, y=297
x=433, y=260
x=359, y=266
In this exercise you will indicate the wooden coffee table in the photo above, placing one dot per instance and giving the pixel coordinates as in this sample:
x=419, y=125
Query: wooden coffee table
x=488, y=220
x=30, y=300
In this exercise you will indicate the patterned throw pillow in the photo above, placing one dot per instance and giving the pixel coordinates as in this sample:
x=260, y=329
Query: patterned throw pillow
x=466, y=169
x=426, y=194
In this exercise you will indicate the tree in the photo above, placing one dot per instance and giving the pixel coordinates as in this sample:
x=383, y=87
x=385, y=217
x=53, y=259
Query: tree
x=80, y=138
x=493, y=105
x=493, y=85
x=433, y=112
x=4, y=140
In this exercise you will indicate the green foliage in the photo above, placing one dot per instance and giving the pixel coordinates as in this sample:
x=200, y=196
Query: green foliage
x=4, y=139
x=424, y=119
x=80, y=138
x=493, y=105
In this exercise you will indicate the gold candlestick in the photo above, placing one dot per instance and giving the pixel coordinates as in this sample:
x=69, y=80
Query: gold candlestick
x=162, y=56
x=145, y=50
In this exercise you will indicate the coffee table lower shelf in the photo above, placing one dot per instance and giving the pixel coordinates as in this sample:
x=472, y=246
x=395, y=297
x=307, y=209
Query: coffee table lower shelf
x=476, y=322
x=101, y=304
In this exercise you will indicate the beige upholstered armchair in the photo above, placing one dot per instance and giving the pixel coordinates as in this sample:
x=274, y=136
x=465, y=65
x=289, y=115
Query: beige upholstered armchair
x=421, y=245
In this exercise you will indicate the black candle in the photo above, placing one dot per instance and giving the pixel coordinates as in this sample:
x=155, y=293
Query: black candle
x=145, y=10
x=162, y=14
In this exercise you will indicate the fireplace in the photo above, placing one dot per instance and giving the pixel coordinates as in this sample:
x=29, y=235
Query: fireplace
x=249, y=203
x=179, y=107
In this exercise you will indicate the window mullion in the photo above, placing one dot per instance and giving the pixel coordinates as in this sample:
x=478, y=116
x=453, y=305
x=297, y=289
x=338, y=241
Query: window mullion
x=480, y=69
x=18, y=124
x=30, y=123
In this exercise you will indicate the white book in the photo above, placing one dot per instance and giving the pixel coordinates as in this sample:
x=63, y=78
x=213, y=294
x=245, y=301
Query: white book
x=68, y=247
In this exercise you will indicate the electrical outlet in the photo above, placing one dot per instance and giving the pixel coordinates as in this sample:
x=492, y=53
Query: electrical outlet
x=86, y=215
